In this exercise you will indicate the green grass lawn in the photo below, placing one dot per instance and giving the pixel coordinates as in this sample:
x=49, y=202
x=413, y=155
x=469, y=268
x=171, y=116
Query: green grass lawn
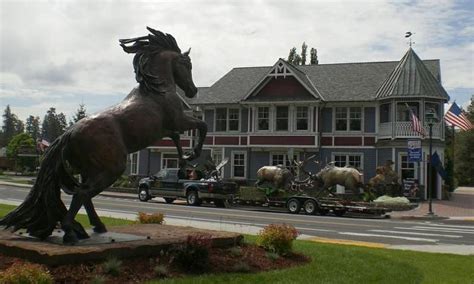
x=343, y=264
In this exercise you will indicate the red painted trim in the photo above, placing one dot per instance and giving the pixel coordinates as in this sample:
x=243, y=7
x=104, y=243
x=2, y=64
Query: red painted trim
x=282, y=140
x=348, y=141
x=208, y=140
x=326, y=141
x=243, y=140
x=169, y=143
x=369, y=141
x=223, y=140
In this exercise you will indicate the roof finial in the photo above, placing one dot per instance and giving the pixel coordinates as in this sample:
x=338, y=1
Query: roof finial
x=408, y=35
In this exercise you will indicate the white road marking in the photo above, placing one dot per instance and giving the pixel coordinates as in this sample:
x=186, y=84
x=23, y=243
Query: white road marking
x=451, y=226
x=388, y=236
x=413, y=233
x=418, y=228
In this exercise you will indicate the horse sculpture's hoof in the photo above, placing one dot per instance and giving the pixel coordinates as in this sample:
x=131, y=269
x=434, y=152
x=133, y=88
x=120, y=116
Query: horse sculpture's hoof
x=100, y=229
x=70, y=238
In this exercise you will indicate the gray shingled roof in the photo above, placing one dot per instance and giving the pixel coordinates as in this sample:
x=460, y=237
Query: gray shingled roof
x=335, y=82
x=411, y=78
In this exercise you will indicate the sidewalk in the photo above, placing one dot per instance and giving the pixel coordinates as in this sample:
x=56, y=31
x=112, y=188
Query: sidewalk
x=459, y=207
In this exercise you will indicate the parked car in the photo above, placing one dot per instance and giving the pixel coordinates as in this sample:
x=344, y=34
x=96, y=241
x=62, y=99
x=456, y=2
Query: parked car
x=191, y=185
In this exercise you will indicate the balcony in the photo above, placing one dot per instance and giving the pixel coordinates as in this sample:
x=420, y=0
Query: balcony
x=403, y=129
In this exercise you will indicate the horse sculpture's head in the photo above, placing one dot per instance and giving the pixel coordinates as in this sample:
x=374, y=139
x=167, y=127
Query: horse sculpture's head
x=155, y=54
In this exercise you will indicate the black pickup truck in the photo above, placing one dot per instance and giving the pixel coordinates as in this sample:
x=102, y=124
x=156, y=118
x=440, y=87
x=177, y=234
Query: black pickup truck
x=171, y=185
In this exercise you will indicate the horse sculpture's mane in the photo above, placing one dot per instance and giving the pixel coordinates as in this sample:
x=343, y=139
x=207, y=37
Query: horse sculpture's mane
x=144, y=47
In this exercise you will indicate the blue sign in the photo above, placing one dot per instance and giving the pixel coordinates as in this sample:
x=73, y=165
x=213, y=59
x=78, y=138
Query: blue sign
x=414, y=151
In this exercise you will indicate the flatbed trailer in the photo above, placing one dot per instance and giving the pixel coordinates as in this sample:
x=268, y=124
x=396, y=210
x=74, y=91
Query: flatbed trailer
x=310, y=204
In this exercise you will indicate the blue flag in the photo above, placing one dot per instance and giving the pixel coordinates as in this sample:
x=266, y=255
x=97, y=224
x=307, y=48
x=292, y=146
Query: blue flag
x=438, y=165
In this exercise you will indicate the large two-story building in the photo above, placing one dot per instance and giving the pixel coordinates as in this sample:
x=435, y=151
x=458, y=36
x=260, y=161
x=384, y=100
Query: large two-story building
x=350, y=113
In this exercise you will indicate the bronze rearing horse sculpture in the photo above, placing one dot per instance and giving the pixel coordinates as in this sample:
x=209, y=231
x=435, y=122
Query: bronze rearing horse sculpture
x=96, y=147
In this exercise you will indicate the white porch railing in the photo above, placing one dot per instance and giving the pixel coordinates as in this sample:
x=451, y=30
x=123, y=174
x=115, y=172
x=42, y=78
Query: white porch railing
x=403, y=129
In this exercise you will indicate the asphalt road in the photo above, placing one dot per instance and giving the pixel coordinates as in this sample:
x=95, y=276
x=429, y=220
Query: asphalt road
x=385, y=231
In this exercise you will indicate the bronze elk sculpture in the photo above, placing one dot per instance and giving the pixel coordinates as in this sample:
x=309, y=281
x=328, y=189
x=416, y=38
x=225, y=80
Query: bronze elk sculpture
x=96, y=147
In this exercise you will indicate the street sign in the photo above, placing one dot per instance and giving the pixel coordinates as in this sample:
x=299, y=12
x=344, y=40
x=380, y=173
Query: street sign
x=414, y=151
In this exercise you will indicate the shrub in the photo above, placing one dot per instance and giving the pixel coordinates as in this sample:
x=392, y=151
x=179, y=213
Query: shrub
x=154, y=218
x=161, y=271
x=112, y=266
x=277, y=238
x=241, y=267
x=235, y=251
x=193, y=255
x=26, y=273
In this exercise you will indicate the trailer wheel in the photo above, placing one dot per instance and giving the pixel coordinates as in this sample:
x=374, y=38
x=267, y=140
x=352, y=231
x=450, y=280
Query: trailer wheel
x=294, y=206
x=310, y=207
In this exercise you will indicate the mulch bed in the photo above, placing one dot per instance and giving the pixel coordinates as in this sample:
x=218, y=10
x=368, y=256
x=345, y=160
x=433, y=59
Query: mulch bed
x=250, y=259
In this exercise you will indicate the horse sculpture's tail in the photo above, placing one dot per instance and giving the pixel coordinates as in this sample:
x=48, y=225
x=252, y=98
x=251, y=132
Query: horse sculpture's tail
x=43, y=207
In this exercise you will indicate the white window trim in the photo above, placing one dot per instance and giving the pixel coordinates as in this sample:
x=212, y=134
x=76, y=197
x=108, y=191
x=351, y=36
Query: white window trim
x=163, y=158
x=232, y=164
x=221, y=152
x=285, y=157
x=138, y=163
x=288, y=119
x=399, y=166
x=334, y=154
x=309, y=118
x=270, y=126
x=348, y=119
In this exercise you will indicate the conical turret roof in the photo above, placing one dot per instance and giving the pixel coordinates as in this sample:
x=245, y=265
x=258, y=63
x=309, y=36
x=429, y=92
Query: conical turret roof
x=411, y=78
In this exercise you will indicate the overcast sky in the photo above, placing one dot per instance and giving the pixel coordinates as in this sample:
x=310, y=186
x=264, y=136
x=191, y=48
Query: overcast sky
x=62, y=53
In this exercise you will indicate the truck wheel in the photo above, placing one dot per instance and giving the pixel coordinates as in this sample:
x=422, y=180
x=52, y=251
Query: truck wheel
x=192, y=198
x=143, y=194
x=310, y=207
x=219, y=203
x=169, y=200
x=294, y=206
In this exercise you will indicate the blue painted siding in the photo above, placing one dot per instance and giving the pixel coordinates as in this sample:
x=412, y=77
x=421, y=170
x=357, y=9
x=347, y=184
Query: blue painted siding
x=326, y=117
x=209, y=119
x=384, y=154
x=244, y=120
x=369, y=119
x=258, y=160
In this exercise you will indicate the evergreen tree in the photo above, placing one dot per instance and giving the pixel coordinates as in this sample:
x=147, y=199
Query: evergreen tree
x=304, y=47
x=80, y=113
x=292, y=55
x=297, y=60
x=53, y=125
x=33, y=127
x=470, y=110
x=314, y=56
x=11, y=126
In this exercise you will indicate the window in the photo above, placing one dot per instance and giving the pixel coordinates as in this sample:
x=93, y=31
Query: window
x=301, y=118
x=403, y=112
x=134, y=163
x=221, y=119
x=282, y=118
x=385, y=115
x=280, y=159
x=348, y=119
x=341, y=118
x=354, y=160
x=407, y=168
x=238, y=164
x=263, y=118
x=234, y=115
x=434, y=107
x=169, y=161
x=227, y=119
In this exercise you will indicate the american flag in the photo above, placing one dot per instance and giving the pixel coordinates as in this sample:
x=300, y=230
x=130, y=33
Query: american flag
x=456, y=117
x=415, y=122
